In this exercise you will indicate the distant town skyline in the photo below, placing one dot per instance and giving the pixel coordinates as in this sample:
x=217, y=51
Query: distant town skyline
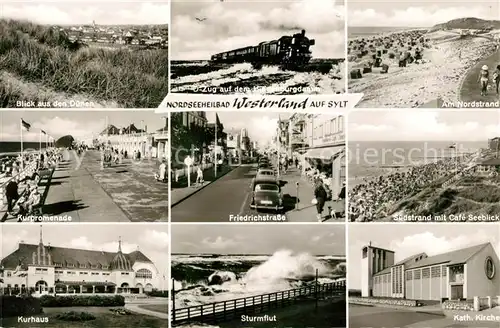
x=85, y=12
x=79, y=124
x=258, y=239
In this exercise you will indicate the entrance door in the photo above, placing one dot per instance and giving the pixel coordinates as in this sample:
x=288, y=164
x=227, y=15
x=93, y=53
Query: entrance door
x=457, y=292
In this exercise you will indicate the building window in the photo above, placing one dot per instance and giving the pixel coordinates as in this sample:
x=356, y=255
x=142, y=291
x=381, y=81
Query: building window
x=95, y=273
x=409, y=275
x=444, y=272
x=41, y=271
x=426, y=273
x=144, y=273
x=341, y=123
x=416, y=274
x=436, y=272
x=457, y=273
x=83, y=273
x=489, y=268
x=125, y=273
x=9, y=274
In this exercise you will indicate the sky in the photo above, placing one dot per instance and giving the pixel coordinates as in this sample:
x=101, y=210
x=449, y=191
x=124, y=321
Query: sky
x=80, y=124
x=409, y=239
x=151, y=239
x=261, y=127
x=72, y=12
x=262, y=239
x=423, y=125
x=234, y=24
x=423, y=13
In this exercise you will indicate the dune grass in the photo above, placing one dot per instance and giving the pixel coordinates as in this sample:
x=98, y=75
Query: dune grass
x=45, y=55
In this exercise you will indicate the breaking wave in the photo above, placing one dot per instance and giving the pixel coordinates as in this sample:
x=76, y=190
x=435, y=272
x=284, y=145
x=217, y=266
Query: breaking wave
x=201, y=282
x=242, y=78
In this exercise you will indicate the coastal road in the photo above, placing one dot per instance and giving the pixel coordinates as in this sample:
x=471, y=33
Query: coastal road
x=470, y=89
x=379, y=317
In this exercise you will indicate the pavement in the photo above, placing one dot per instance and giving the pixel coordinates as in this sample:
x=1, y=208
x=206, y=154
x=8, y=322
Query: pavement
x=378, y=317
x=125, y=192
x=230, y=194
x=136, y=306
x=181, y=191
x=470, y=89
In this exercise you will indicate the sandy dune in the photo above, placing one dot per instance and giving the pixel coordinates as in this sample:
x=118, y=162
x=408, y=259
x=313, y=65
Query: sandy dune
x=446, y=58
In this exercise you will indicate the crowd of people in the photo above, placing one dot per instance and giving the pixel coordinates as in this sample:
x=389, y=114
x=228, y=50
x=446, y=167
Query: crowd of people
x=20, y=176
x=374, y=199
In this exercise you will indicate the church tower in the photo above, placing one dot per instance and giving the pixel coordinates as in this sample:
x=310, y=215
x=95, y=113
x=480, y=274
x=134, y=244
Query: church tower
x=373, y=260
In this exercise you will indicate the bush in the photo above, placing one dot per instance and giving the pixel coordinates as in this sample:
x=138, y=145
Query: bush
x=13, y=306
x=157, y=293
x=66, y=301
x=75, y=316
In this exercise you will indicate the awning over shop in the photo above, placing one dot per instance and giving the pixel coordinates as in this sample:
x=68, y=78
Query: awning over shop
x=326, y=153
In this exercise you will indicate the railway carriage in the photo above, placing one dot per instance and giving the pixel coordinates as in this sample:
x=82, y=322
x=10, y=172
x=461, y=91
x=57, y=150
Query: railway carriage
x=287, y=51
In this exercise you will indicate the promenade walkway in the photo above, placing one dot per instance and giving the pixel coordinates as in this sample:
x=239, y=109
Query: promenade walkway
x=305, y=210
x=73, y=192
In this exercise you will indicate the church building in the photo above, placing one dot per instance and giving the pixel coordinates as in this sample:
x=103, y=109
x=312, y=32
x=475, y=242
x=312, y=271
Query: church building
x=45, y=269
x=459, y=274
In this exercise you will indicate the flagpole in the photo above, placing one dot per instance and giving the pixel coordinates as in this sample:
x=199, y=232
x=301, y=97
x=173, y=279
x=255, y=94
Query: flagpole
x=22, y=150
x=40, y=142
x=215, y=148
x=46, y=142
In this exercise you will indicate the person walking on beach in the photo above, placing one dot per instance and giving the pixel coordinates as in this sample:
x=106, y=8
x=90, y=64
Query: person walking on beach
x=484, y=77
x=496, y=79
x=320, y=196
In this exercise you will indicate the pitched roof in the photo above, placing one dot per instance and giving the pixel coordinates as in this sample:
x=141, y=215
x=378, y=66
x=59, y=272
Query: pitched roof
x=65, y=256
x=458, y=256
x=404, y=262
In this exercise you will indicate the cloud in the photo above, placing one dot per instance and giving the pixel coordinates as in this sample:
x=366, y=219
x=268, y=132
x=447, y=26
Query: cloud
x=419, y=126
x=155, y=239
x=56, y=127
x=432, y=245
x=82, y=13
x=219, y=243
x=315, y=239
x=192, y=39
x=414, y=16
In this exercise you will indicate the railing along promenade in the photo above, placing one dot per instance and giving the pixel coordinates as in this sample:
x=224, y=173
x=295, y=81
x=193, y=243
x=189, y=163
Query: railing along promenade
x=27, y=171
x=230, y=309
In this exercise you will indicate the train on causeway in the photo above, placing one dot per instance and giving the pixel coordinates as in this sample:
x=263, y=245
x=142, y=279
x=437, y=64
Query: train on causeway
x=289, y=52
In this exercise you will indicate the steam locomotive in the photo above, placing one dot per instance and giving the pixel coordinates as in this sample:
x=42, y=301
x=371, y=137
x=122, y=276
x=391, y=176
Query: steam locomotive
x=288, y=51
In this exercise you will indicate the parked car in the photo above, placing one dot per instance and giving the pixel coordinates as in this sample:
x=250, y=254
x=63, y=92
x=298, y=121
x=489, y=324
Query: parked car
x=264, y=173
x=267, y=195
